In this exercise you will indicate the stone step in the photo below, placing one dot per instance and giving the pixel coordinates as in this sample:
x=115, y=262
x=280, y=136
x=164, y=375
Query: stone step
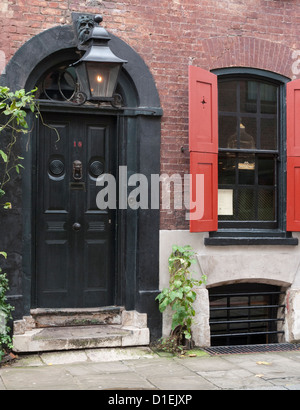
x=27, y=337
x=111, y=315
x=79, y=337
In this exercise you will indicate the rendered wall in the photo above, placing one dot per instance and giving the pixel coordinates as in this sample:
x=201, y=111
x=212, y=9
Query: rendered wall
x=276, y=265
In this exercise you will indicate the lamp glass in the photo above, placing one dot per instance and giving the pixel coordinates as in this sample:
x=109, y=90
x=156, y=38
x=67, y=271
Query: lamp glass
x=102, y=79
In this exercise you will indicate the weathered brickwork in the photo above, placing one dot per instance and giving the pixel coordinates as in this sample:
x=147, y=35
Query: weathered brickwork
x=170, y=35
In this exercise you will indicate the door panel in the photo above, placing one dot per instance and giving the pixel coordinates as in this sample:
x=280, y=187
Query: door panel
x=74, y=240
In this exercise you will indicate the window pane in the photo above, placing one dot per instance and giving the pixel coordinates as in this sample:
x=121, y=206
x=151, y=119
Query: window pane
x=248, y=127
x=266, y=170
x=227, y=132
x=268, y=99
x=226, y=169
x=58, y=85
x=246, y=167
x=246, y=204
x=248, y=93
x=227, y=96
x=248, y=133
x=266, y=209
x=268, y=138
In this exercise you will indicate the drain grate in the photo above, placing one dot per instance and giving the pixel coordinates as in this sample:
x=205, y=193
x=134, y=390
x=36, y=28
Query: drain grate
x=278, y=347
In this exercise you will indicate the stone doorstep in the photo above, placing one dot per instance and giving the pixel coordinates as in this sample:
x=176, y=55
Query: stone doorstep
x=81, y=337
x=111, y=315
x=132, y=331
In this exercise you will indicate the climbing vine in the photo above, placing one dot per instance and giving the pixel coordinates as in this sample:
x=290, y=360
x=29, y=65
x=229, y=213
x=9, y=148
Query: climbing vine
x=13, y=111
x=13, y=115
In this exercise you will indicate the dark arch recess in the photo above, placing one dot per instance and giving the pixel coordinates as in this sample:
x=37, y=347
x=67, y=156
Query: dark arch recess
x=140, y=129
x=59, y=44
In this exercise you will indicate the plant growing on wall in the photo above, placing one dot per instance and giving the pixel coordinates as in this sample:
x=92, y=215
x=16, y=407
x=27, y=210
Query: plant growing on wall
x=5, y=314
x=180, y=294
x=13, y=115
x=13, y=112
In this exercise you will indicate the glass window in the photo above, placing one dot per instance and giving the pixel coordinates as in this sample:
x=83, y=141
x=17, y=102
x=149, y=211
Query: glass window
x=248, y=152
x=59, y=84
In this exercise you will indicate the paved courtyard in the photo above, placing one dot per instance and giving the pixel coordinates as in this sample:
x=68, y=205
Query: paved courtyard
x=141, y=369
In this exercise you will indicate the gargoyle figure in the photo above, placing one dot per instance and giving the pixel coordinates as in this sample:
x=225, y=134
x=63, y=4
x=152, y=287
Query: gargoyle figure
x=85, y=25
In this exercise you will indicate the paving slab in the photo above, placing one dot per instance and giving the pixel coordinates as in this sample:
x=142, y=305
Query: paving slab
x=206, y=364
x=169, y=374
x=38, y=378
x=278, y=369
x=234, y=379
x=113, y=381
x=2, y=387
x=142, y=369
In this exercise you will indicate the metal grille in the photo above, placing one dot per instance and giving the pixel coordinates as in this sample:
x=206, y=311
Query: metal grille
x=276, y=347
x=246, y=314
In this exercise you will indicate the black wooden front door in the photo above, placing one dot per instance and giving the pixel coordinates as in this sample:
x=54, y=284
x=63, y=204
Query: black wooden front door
x=75, y=241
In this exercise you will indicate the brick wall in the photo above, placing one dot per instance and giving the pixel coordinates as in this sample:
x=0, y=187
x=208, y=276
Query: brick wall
x=170, y=35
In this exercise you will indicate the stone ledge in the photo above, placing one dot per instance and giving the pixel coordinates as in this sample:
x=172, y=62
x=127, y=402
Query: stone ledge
x=111, y=315
x=81, y=337
x=131, y=331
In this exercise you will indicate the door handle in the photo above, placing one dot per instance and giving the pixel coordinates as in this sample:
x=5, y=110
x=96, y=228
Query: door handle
x=77, y=170
x=76, y=226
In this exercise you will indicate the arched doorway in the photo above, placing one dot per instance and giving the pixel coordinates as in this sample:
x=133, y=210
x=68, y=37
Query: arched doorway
x=131, y=237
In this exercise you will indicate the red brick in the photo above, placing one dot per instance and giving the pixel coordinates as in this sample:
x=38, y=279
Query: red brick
x=169, y=36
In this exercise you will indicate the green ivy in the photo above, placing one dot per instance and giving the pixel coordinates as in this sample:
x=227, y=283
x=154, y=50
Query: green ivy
x=14, y=107
x=180, y=294
x=13, y=110
x=5, y=313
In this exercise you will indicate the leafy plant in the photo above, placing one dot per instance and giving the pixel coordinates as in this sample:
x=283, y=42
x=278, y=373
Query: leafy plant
x=5, y=314
x=180, y=295
x=13, y=112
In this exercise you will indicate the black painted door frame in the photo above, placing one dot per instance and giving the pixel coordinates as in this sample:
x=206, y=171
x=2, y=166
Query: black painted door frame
x=75, y=241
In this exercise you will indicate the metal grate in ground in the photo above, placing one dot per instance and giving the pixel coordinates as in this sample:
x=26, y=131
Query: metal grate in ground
x=278, y=347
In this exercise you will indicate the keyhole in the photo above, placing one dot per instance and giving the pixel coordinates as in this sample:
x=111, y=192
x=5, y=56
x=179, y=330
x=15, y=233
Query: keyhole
x=203, y=101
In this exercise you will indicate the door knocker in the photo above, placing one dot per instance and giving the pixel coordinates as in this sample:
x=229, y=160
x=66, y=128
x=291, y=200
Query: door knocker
x=77, y=170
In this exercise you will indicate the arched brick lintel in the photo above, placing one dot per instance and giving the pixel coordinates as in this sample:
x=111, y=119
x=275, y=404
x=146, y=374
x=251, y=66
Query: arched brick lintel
x=221, y=52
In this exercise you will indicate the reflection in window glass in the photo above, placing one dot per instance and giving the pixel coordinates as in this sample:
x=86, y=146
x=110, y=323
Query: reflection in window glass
x=248, y=92
x=227, y=96
x=58, y=85
x=227, y=132
x=268, y=138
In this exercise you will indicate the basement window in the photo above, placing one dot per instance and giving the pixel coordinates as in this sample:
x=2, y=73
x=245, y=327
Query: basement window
x=246, y=314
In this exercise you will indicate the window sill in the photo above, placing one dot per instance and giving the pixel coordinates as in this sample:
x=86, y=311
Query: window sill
x=244, y=240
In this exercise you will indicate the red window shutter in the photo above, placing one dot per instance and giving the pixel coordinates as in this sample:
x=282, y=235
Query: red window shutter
x=203, y=192
x=293, y=118
x=203, y=140
x=293, y=194
x=203, y=107
x=293, y=156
